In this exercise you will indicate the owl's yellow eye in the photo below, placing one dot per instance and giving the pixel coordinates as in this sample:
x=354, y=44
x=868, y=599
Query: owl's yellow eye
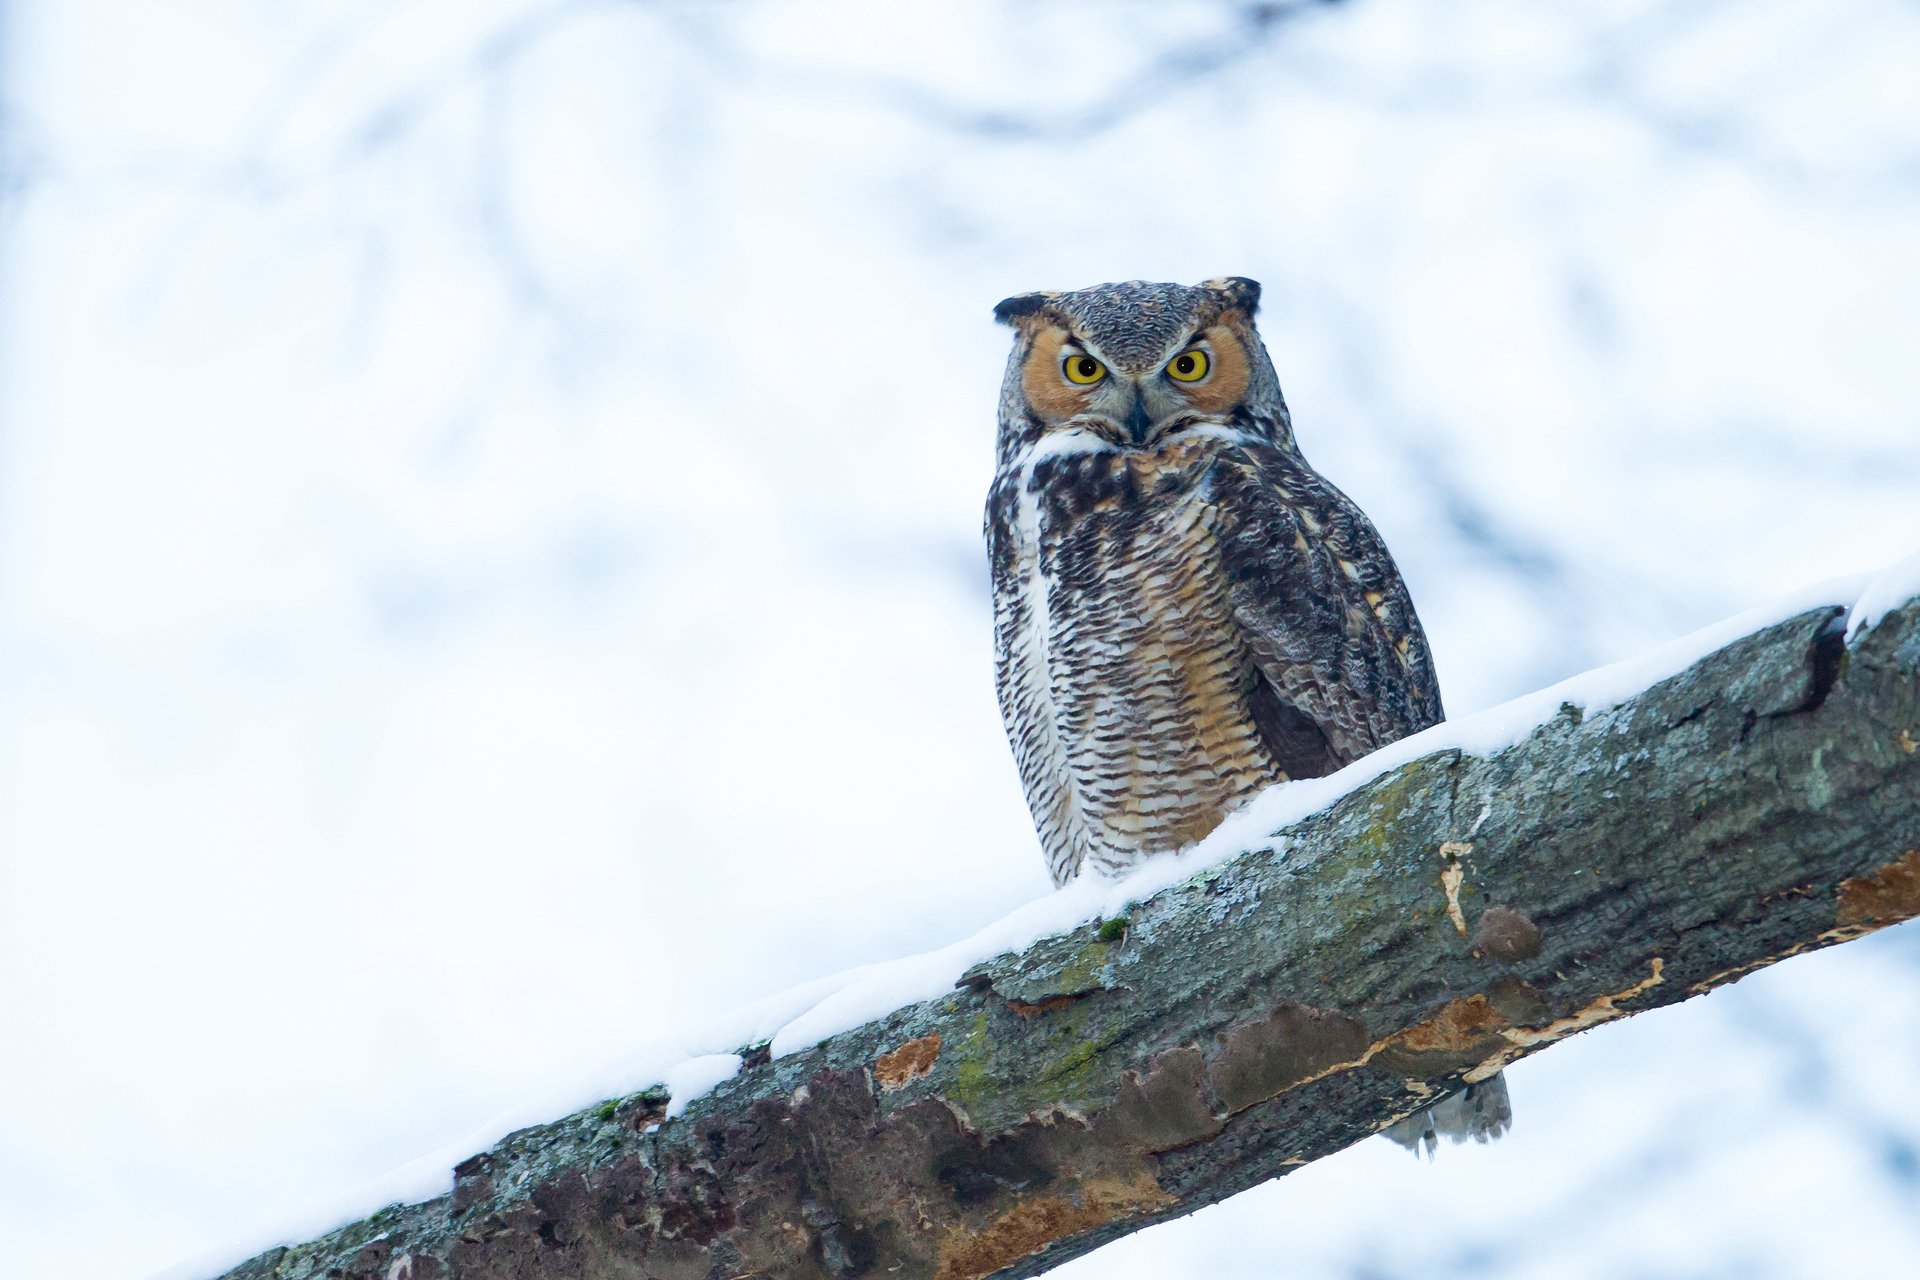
x=1188, y=366
x=1084, y=370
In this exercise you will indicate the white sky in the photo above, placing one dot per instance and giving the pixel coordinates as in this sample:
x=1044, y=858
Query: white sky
x=489, y=557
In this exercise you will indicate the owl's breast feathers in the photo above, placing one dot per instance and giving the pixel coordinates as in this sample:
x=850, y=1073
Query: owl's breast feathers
x=1177, y=628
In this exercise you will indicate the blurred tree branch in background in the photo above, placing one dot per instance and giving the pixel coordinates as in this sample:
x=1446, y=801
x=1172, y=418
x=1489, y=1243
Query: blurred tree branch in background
x=1451, y=917
x=1234, y=50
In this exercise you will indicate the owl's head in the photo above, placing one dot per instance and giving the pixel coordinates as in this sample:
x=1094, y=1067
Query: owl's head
x=1128, y=366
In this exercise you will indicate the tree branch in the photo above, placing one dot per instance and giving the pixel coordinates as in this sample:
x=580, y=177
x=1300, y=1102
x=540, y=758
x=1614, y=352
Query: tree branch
x=1454, y=915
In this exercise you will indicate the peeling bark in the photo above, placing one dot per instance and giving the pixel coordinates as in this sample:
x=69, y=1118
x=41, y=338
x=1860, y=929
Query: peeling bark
x=1453, y=916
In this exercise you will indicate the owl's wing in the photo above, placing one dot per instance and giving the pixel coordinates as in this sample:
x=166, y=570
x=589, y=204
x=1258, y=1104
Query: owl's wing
x=1344, y=663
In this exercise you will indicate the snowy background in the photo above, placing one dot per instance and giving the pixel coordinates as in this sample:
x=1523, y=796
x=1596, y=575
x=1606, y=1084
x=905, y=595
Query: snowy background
x=490, y=570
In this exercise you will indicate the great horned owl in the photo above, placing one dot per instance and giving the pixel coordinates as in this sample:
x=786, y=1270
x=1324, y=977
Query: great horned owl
x=1185, y=612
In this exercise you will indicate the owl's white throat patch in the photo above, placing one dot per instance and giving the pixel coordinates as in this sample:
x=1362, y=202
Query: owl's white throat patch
x=1063, y=442
x=1073, y=439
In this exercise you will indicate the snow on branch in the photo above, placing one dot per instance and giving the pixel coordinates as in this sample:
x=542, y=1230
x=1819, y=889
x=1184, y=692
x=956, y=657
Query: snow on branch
x=1461, y=900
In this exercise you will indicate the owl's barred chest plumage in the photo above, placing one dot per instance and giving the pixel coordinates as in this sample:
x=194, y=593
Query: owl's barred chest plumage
x=1125, y=687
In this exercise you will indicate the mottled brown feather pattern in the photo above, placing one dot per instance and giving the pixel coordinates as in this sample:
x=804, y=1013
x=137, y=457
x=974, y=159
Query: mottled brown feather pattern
x=1131, y=727
x=1321, y=603
x=1176, y=682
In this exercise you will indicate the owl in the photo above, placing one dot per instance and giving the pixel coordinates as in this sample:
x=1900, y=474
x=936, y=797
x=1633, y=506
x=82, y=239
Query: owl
x=1185, y=611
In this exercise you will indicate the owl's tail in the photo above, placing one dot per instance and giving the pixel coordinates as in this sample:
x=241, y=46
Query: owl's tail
x=1481, y=1112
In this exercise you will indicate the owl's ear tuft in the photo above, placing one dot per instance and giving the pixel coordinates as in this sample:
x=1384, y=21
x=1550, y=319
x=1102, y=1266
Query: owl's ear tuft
x=1021, y=305
x=1238, y=291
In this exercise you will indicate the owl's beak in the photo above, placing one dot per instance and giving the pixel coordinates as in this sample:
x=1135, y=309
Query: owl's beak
x=1139, y=426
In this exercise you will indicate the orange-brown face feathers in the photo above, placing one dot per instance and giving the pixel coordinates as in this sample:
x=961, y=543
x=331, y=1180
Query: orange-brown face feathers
x=1130, y=366
x=1224, y=385
x=1047, y=386
x=1064, y=376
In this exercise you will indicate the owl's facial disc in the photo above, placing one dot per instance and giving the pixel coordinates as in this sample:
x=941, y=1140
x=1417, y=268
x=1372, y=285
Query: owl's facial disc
x=1072, y=385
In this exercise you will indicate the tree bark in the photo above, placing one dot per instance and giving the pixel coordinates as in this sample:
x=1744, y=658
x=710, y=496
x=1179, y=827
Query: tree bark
x=1456, y=914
